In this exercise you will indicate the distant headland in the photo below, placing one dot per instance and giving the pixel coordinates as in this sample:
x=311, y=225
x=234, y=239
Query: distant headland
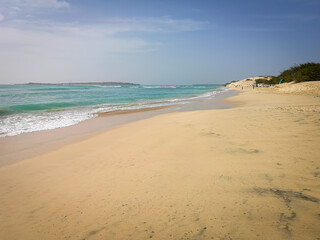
x=84, y=83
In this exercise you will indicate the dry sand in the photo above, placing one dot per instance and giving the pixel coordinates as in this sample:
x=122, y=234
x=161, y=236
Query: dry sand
x=303, y=88
x=250, y=172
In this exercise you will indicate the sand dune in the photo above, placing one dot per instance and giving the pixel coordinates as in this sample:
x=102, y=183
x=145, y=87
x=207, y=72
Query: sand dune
x=302, y=88
x=250, y=172
x=247, y=82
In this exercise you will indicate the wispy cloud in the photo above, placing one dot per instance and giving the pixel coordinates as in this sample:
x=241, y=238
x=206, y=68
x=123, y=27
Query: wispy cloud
x=18, y=7
x=20, y=31
x=41, y=43
x=277, y=22
x=262, y=29
x=44, y=56
x=19, y=27
x=112, y=26
x=46, y=44
x=155, y=25
x=285, y=18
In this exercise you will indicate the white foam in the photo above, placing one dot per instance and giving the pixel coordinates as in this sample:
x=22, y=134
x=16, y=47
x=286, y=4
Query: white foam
x=16, y=124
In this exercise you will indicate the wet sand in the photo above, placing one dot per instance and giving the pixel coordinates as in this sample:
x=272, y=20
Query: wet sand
x=248, y=172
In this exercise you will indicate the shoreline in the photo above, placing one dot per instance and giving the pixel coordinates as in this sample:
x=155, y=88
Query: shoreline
x=26, y=145
x=61, y=106
x=139, y=110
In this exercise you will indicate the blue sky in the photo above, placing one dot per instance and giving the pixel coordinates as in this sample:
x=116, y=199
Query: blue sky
x=154, y=42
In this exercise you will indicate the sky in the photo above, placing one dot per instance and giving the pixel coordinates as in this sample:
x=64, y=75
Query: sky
x=155, y=41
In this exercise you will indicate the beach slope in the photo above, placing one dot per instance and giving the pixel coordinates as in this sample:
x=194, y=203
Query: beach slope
x=249, y=172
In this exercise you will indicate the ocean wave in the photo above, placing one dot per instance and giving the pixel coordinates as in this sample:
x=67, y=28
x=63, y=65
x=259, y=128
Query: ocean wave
x=117, y=86
x=43, y=106
x=58, y=115
x=51, y=89
x=4, y=112
x=159, y=86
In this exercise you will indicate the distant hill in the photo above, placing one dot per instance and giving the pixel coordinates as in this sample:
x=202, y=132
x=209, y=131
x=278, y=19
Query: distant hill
x=86, y=83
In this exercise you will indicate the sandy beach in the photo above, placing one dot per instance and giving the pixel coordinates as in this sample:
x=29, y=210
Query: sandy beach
x=247, y=172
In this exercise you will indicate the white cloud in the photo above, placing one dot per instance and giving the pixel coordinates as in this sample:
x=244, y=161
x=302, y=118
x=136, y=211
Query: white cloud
x=1, y=17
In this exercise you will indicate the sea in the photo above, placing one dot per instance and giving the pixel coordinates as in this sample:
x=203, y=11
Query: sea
x=29, y=108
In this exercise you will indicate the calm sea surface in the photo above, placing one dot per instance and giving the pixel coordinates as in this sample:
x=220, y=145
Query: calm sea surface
x=28, y=108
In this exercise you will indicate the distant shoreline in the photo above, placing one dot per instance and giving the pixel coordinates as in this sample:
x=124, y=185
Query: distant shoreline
x=84, y=83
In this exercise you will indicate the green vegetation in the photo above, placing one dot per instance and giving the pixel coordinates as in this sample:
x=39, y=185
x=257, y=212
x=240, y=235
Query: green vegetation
x=301, y=73
x=262, y=80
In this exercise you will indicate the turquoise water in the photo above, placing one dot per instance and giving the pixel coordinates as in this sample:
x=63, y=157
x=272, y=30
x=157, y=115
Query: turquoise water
x=27, y=108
